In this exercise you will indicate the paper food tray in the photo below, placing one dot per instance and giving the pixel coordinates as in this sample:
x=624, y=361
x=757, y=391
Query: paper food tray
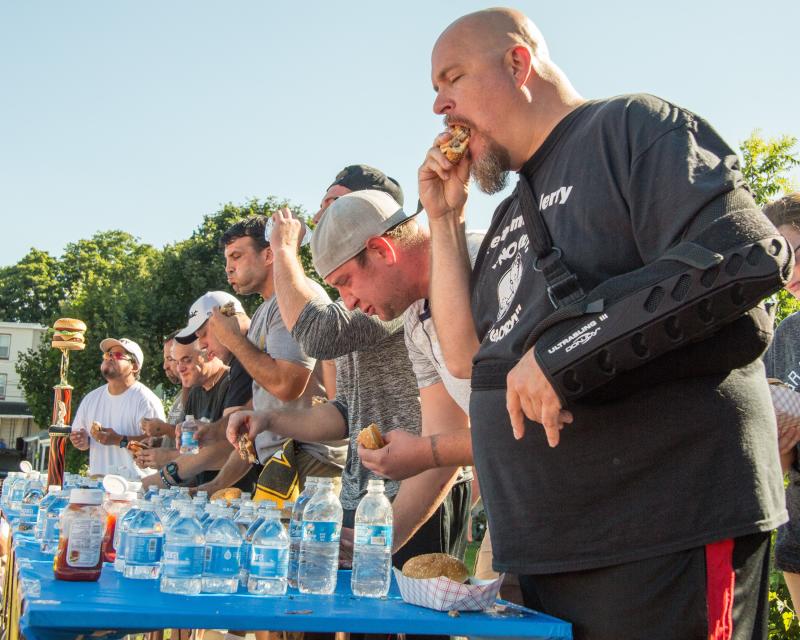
x=444, y=594
x=786, y=402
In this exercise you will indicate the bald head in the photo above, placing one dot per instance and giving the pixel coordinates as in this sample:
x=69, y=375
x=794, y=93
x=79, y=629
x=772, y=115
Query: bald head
x=494, y=31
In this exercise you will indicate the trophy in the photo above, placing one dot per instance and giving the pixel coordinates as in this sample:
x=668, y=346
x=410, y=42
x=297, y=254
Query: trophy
x=67, y=336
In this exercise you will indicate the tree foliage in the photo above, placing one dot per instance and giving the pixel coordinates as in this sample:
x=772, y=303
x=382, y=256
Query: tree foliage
x=766, y=163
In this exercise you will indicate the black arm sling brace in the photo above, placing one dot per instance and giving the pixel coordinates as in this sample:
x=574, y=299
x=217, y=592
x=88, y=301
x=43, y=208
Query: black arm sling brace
x=695, y=311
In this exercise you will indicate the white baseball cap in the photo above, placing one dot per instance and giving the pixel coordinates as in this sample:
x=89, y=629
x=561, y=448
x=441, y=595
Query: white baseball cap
x=129, y=345
x=201, y=310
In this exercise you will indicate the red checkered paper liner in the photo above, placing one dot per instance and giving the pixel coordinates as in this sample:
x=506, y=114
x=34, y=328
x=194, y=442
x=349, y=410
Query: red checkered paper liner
x=444, y=594
x=786, y=402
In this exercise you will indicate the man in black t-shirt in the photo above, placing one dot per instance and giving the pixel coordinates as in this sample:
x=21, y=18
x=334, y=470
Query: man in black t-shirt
x=645, y=508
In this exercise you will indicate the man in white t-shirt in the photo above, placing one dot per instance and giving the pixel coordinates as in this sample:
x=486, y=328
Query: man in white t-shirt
x=118, y=407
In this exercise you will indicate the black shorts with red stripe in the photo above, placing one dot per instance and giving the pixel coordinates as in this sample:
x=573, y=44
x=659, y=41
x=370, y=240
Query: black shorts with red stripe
x=716, y=592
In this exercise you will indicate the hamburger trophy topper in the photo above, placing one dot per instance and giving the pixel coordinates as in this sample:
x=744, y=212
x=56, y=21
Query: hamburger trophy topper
x=67, y=336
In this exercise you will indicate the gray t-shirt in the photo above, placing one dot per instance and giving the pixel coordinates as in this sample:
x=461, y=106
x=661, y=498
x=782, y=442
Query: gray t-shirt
x=782, y=361
x=666, y=468
x=374, y=379
x=269, y=333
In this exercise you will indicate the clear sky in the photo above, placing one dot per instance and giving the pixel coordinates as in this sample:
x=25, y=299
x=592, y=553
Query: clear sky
x=145, y=115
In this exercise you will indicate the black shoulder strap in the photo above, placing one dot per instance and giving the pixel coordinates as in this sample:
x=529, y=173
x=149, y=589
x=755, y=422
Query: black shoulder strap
x=563, y=287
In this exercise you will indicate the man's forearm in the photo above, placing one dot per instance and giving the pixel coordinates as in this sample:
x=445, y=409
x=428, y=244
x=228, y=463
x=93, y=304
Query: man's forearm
x=291, y=287
x=322, y=423
x=449, y=296
x=231, y=472
x=285, y=380
x=208, y=458
x=417, y=500
x=451, y=449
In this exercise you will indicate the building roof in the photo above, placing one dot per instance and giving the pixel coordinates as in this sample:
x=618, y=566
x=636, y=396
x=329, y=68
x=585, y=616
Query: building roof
x=15, y=409
x=22, y=325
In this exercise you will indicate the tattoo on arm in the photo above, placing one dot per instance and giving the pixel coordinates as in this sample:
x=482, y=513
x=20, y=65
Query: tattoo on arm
x=434, y=442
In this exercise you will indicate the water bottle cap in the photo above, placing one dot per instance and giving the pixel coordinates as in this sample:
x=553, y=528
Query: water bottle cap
x=86, y=496
x=115, y=484
x=375, y=484
x=26, y=466
x=54, y=488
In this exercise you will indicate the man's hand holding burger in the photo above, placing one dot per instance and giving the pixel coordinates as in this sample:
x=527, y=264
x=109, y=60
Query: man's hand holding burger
x=225, y=329
x=443, y=185
x=108, y=437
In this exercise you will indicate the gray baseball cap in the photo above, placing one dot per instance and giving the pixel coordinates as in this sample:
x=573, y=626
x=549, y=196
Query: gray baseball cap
x=349, y=223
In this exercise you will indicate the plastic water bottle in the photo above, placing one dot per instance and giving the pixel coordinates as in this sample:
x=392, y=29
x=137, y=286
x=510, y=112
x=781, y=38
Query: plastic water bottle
x=261, y=512
x=184, y=546
x=29, y=507
x=144, y=544
x=222, y=562
x=269, y=557
x=16, y=493
x=53, y=492
x=372, y=544
x=189, y=442
x=11, y=478
x=51, y=526
x=121, y=534
x=243, y=519
x=296, y=528
x=319, y=548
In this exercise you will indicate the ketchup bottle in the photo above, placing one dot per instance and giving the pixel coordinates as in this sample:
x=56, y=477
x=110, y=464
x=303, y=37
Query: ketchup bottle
x=80, y=546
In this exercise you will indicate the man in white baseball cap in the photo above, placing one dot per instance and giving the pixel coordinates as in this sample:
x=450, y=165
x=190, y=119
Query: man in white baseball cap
x=110, y=416
x=203, y=309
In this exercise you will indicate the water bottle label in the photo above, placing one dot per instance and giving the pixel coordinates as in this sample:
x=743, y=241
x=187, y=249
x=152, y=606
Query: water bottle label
x=143, y=549
x=187, y=439
x=268, y=562
x=52, y=528
x=295, y=529
x=322, y=531
x=373, y=535
x=244, y=556
x=222, y=560
x=183, y=561
x=85, y=540
x=29, y=512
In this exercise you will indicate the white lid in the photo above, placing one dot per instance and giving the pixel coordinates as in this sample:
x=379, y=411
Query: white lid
x=54, y=488
x=26, y=466
x=115, y=484
x=86, y=496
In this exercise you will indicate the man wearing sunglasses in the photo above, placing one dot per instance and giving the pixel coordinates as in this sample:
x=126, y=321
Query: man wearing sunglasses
x=118, y=407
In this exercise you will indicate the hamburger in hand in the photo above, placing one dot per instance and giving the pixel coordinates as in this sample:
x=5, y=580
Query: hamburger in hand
x=455, y=148
x=68, y=334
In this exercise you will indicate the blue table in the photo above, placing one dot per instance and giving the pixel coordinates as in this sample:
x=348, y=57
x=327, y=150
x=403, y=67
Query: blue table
x=56, y=610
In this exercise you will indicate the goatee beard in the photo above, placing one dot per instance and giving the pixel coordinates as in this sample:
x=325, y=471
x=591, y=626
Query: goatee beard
x=490, y=171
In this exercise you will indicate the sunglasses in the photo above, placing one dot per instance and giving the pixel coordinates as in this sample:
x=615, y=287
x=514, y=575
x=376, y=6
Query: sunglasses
x=116, y=355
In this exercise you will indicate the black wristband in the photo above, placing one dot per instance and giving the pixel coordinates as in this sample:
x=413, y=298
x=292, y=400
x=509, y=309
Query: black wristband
x=123, y=443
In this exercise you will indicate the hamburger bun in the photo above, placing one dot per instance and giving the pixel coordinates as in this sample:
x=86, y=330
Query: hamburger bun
x=456, y=146
x=435, y=565
x=370, y=437
x=228, y=495
x=96, y=429
x=68, y=334
x=135, y=446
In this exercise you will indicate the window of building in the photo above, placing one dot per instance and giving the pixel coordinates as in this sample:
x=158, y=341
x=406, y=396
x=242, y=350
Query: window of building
x=3, y=382
x=5, y=346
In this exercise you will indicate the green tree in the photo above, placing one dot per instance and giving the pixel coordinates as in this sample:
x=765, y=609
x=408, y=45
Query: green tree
x=31, y=290
x=766, y=163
